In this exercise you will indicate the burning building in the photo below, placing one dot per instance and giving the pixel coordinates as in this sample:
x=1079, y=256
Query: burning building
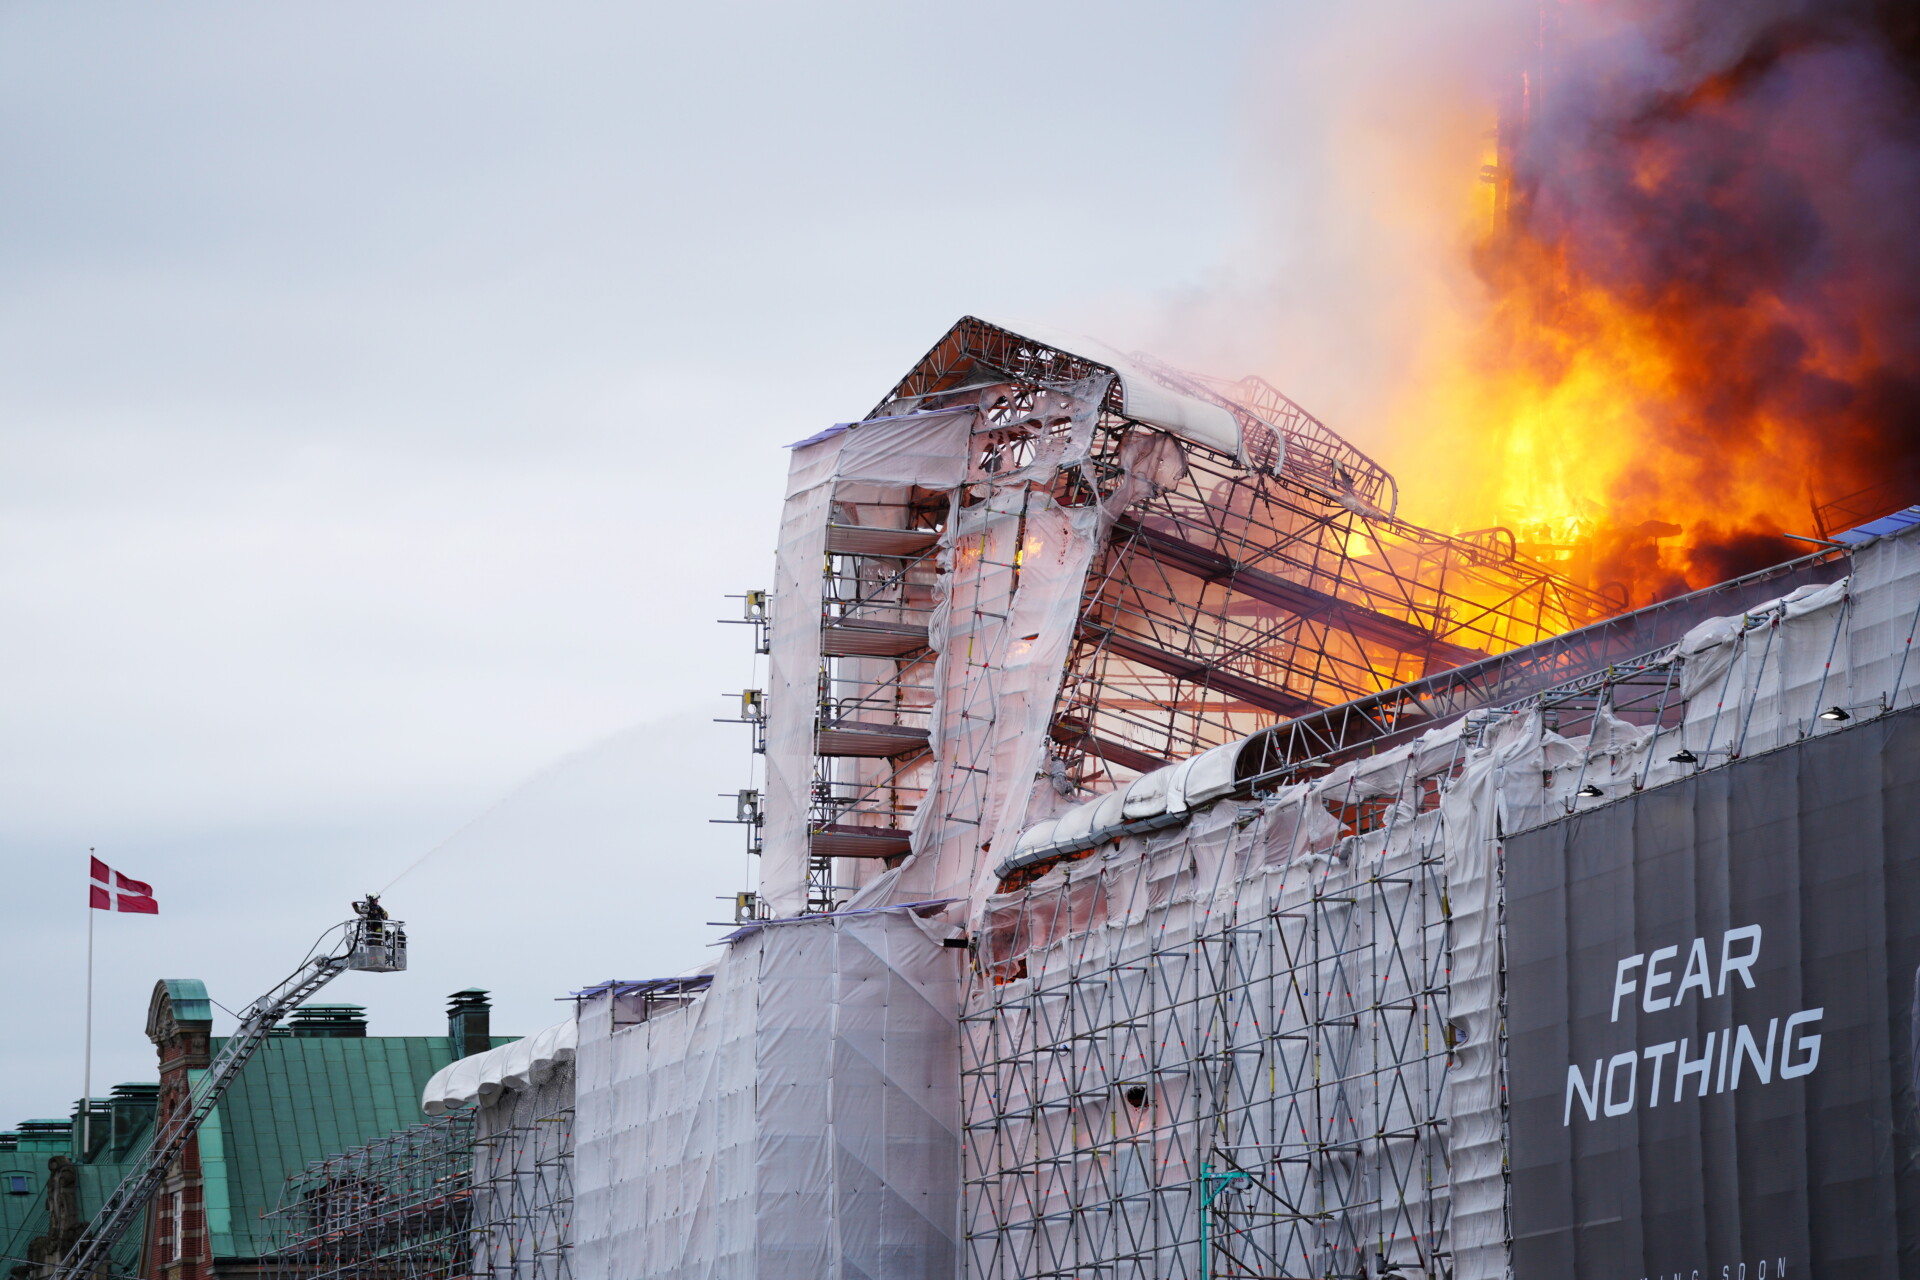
x=1175, y=864
x=1178, y=858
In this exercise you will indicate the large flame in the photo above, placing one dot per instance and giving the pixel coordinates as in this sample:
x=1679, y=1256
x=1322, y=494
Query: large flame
x=1703, y=320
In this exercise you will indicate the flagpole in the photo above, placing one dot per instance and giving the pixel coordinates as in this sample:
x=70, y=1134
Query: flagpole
x=86, y=1087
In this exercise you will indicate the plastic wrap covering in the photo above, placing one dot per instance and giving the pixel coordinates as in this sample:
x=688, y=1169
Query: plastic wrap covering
x=1016, y=566
x=523, y=1161
x=1498, y=790
x=926, y=450
x=1227, y=1038
x=793, y=673
x=1147, y=395
x=799, y=1120
x=482, y=1077
x=1274, y=1034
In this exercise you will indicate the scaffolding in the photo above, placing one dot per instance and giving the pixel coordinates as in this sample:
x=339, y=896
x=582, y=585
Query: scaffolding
x=450, y=1198
x=1217, y=584
x=1236, y=589
x=1188, y=1061
x=523, y=1197
x=1264, y=1036
x=399, y=1208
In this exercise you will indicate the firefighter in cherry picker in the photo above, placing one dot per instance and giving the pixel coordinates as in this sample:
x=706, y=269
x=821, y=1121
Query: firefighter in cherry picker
x=375, y=915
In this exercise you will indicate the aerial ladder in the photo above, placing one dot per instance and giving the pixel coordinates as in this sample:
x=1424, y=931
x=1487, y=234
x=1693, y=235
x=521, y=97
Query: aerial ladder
x=370, y=942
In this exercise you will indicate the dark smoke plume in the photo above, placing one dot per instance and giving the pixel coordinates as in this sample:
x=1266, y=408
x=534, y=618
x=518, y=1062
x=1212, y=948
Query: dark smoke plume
x=1747, y=177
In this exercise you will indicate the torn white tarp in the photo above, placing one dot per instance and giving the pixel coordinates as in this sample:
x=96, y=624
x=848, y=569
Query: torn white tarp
x=1146, y=398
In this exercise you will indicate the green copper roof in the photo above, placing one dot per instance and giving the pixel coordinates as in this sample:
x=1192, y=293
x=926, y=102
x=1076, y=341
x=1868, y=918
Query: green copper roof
x=300, y=1099
x=303, y=1099
x=189, y=998
x=22, y=1217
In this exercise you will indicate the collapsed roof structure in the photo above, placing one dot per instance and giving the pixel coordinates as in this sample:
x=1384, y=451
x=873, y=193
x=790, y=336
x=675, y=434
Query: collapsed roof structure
x=1139, y=897
x=1039, y=569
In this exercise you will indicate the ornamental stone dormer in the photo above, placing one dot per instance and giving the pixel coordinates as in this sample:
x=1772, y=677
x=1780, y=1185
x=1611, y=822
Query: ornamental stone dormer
x=180, y=1024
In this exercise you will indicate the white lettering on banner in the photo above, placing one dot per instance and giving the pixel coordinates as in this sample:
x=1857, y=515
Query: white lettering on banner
x=1699, y=1066
x=1589, y=1096
x=1655, y=1054
x=1695, y=974
x=1622, y=985
x=1764, y=1269
x=1791, y=1071
x=1745, y=963
x=1620, y=1106
x=1657, y=979
x=1781, y=1051
x=1745, y=1049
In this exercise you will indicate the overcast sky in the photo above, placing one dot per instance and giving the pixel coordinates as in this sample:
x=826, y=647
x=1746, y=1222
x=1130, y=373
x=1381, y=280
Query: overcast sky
x=391, y=393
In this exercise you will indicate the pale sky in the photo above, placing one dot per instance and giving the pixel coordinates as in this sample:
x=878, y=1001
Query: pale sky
x=391, y=394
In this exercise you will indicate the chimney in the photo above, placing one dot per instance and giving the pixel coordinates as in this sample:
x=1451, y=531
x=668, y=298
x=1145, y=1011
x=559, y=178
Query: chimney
x=469, y=1022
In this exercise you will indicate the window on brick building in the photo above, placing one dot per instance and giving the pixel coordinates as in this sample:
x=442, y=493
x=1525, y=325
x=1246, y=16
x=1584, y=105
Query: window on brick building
x=177, y=1215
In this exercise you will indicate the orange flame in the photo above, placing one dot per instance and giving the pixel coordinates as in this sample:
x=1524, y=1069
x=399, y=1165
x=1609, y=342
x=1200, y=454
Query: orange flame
x=1700, y=332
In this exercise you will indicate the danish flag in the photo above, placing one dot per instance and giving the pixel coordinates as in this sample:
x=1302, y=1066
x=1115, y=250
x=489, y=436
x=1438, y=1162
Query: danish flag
x=112, y=891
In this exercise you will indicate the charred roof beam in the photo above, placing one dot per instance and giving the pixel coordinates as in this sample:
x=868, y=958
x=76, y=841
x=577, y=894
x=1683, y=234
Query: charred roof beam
x=1303, y=601
x=1203, y=673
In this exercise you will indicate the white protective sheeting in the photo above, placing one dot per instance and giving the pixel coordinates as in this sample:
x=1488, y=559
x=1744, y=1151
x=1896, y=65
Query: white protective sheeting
x=1211, y=774
x=799, y=1121
x=1147, y=794
x=1499, y=789
x=1002, y=636
x=1146, y=398
x=522, y=1218
x=1280, y=976
x=924, y=449
x=793, y=673
x=482, y=1077
x=1015, y=566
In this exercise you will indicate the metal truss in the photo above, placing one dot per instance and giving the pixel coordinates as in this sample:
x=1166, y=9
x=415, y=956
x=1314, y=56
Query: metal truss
x=1579, y=659
x=1176, y=1079
x=1238, y=592
x=399, y=1208
x=433, y=1201
x=523, y=1200
x=872, y=720
x=1231, y=594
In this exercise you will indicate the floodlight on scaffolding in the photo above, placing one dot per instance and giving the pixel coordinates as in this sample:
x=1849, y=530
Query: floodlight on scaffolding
x=1589, y=791
x=1836, y=713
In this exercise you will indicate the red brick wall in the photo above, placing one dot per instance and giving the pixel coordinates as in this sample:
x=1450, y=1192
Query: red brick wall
x=178, y=1247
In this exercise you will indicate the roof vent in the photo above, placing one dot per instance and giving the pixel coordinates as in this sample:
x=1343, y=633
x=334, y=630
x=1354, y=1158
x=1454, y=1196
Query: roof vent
x=469, y=1022
x=329, y=1020
x=45, y=1128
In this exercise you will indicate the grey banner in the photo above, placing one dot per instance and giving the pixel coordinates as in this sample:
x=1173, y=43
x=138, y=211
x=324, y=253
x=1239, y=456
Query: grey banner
x=1712, y=995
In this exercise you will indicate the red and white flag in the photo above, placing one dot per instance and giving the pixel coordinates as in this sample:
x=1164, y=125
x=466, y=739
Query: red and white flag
x=112, y=891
